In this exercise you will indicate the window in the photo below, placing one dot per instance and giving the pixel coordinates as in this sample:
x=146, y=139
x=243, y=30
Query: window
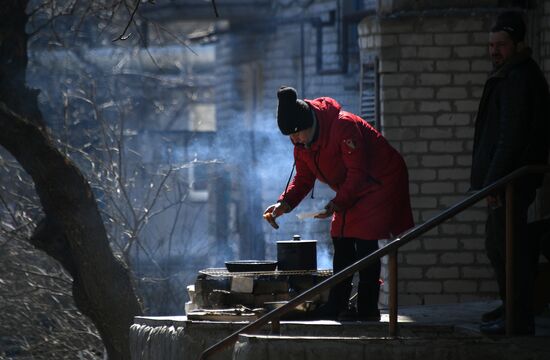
x=369, y=92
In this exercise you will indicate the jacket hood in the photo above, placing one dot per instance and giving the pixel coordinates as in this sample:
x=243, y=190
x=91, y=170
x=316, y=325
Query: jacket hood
x=326, y=111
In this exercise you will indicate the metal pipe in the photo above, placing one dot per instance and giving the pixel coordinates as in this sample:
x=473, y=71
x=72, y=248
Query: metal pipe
x=392, y=278
x=404, y=239
x=509, y=300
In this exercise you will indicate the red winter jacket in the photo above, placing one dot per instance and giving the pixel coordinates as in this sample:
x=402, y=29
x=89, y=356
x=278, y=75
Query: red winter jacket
x=368, y=175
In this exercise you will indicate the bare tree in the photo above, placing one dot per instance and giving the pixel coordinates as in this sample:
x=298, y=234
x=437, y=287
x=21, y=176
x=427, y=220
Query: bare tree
x=72, y=231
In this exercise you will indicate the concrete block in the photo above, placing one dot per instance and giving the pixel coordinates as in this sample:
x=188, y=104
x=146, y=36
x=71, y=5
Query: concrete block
x=408, y=272
x=469, y=79
x=480, y=38
x=411, y=160
x=424, y=287
x=451, y=39
x=448, y=201
x=398, y=107
x=437, y=188
x=400, y=134
x=389, y=94
x=453, y=119
x=451, y=93
x=408, y=52
x=416, y=93
x=447, y=146
x=435, y=25
x=420, y=259
x=440, y=243
x=434, y=52
x=464, y=160
x=416, y=39
x=436, y=133
x=428, y=214
x=460, y=286
x=388, y=66
x=418, y=120
x=396, y=80
x=468, y=24
x=464, y=132
x=470, y=52
x=466, y=106
x=437, y=160
x=414, y=147
x=471, y=215
x=481, y=66
x=456, y=229
x=414, y=66
x=442, y=272
x=434, y=79
x=488, y=286
x=453, y=174
x=477, y=272
x=423, y=202
x=452, y=65
x=422, y=175
x=457, y=258
x=435, y=106
x=397, y=27
x=473, y=244
x=412, y=246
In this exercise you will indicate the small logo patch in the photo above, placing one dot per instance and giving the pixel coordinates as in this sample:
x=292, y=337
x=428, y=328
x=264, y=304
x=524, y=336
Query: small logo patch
x=350, y=143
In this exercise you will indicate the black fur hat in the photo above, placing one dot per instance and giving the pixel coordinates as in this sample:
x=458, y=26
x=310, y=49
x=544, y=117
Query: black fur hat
x=293, y=114
x=512, y=23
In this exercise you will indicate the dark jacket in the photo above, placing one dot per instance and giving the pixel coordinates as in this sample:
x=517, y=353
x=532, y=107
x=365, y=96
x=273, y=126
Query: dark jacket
x=511, y=128
x=368, y=175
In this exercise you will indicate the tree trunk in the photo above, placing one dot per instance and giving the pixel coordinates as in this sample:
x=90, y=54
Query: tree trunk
x=73, y=231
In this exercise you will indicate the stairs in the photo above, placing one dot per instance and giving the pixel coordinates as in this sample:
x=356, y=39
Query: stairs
x=435, y=332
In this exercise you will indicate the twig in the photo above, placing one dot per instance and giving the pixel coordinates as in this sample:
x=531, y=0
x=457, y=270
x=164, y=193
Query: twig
x=123, y=36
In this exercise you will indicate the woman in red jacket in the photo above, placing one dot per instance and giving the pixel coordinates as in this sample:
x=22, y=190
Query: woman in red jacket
x=371, y=184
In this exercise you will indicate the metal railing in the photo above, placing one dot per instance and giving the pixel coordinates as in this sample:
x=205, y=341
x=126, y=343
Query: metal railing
x=391, y=250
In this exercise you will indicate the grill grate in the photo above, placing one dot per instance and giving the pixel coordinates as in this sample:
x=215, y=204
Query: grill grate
x=223, y=272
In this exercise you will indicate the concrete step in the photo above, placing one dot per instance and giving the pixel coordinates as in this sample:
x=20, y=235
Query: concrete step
x=425, y=332
x=450, y=347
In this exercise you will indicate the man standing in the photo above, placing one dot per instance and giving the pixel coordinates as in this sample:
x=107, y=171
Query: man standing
x=511, y=131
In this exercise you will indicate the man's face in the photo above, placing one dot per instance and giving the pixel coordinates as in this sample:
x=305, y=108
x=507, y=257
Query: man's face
x=501, y=47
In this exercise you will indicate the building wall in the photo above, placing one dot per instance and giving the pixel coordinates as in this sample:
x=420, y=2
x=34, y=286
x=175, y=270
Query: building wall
x=432, y=70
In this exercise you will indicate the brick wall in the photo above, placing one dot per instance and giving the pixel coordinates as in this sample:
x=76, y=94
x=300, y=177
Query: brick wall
x=432, y=71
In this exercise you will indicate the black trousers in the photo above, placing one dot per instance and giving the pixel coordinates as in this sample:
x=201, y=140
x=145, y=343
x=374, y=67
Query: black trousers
x=346, y=252
x=525, y=253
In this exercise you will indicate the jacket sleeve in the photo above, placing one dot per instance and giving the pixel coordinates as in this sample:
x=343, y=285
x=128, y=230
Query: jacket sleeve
x=513, y=113
x=301, y=184
x=354, y=151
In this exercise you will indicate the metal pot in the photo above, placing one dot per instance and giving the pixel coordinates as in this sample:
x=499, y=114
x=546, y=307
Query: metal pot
x=250, y=265
x=297, y=254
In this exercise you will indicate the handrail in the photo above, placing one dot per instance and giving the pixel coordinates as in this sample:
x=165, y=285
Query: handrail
x=389, y=248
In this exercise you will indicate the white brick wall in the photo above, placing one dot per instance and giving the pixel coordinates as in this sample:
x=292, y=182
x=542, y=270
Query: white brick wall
x=430, y=97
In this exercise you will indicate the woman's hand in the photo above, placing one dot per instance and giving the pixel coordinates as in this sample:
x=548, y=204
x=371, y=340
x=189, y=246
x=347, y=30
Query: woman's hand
x=330, y=208
x=274, y=211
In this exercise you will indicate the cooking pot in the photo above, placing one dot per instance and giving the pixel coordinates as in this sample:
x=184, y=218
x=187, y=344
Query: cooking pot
x=250, y=265
x=297, y=254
